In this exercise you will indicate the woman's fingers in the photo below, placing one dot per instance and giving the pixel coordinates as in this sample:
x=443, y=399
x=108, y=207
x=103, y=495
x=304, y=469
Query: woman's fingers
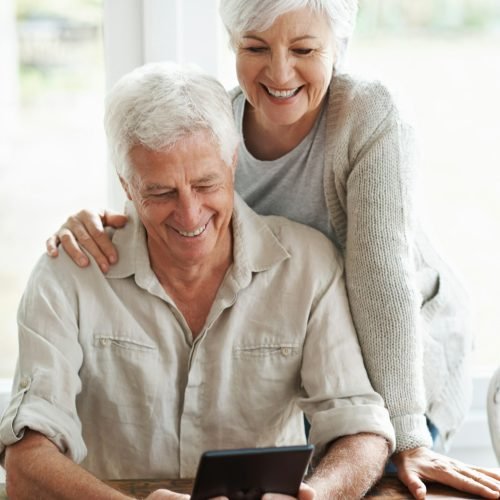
x=71, y=246
x=477, y=484
x=113, y=219
x=85, y=230
x=422, y=464
x=475, y=476
x=413, y=482
x=51, y=245
x=89, y=231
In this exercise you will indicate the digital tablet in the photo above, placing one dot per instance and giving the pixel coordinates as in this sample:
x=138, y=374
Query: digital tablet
x=248, y=473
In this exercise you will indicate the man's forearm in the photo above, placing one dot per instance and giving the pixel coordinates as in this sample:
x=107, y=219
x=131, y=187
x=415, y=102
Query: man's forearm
x=36, y=469
x=351, y=466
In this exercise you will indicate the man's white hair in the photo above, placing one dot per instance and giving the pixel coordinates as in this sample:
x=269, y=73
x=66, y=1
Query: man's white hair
x=158, y=104
x=239, y=16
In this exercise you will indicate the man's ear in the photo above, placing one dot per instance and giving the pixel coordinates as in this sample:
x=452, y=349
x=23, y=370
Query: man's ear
x=234, y=161
x=125, y=187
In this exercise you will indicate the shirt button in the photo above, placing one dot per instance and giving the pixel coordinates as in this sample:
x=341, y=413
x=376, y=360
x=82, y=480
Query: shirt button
x=285, y=351
x=104, y=342
x=25, y=382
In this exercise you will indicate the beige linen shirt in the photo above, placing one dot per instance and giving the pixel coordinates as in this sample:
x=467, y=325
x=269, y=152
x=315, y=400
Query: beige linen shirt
x=109, y=371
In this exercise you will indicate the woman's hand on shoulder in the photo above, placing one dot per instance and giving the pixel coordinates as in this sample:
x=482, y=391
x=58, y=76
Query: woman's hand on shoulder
x=86, y=229
x=422, y=464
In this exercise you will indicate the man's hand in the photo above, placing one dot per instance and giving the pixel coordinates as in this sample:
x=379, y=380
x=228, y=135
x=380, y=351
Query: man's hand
x=421, y=464
x=167, y=495
x=305, y=493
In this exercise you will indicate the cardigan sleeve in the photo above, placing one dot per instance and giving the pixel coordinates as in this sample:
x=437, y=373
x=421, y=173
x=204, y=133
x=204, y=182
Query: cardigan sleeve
x=380, y=272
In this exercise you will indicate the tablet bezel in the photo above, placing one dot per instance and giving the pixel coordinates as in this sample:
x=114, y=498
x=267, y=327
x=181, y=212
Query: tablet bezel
x=248, y=473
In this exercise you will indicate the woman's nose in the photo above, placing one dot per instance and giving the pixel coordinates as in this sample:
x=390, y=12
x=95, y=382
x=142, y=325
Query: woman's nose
x=281, y=69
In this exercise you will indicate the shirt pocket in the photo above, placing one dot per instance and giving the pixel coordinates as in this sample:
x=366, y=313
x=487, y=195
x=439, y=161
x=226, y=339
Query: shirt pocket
x=286, y=350
x=120, y=379
x=268, y=374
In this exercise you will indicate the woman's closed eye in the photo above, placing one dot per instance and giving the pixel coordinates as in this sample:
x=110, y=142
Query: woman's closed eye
x=302, y=52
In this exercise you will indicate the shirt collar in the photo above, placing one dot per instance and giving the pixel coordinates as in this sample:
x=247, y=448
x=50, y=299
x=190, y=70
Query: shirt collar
x=256, y=247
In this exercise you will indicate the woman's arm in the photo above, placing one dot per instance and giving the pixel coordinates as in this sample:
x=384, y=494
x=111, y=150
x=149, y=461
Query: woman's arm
x=380, y=267
x=86, y=230
x=384, y=296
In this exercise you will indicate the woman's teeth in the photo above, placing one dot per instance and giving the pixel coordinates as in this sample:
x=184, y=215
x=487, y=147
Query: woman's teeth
x=282, y=94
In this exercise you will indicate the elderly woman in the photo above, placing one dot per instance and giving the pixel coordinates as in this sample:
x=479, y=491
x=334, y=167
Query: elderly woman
x=334, y=153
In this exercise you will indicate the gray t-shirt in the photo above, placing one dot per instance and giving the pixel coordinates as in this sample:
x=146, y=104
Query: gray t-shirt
x=291, y=186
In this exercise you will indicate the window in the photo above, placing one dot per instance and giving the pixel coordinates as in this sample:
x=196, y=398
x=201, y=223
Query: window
x=52, y=148
x=443, y=60
x=441, y=56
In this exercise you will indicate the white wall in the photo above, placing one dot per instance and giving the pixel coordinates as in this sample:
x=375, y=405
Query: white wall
x=9, y=76
x=472, y=444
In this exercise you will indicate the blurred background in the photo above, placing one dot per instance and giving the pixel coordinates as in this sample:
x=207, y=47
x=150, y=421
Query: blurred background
x=442, y=57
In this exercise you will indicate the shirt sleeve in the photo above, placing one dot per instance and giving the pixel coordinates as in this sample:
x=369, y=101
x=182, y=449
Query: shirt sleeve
x=46, y=381
x=379, y=259
x=339, y=399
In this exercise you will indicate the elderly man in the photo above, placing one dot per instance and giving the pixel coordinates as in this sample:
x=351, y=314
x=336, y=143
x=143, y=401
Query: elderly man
x=218, y=328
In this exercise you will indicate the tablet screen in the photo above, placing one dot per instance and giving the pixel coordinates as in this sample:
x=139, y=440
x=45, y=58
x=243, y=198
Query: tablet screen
x=248, y=473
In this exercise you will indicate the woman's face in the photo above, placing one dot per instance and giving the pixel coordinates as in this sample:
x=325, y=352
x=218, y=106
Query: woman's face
x=285, y=71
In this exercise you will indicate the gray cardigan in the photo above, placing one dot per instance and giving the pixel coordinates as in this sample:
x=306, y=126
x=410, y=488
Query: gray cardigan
x=410, y=312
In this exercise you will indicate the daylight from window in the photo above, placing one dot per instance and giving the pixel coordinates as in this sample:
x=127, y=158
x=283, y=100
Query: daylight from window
x=52, y=149
x=442, y=57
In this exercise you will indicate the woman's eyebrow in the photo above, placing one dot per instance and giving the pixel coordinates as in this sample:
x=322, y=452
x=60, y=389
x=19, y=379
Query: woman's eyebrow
x=293, y=40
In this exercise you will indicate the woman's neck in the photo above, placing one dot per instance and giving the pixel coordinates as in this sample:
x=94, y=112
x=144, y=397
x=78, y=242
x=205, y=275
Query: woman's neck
x=267, y=141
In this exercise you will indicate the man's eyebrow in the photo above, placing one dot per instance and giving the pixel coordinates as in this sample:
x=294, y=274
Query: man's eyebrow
x=293, y=40
x=207, y=178
x=156, y=186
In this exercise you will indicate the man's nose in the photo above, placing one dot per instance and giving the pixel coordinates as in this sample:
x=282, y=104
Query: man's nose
x=188, y=210
x=281, y=68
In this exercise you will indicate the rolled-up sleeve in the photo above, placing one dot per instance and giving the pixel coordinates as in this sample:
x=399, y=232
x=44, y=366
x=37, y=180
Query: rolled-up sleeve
x=46, y=382
x=338, y=397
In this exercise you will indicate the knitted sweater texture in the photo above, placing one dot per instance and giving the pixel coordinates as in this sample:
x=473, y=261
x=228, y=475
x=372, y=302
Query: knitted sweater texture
x=410, y=312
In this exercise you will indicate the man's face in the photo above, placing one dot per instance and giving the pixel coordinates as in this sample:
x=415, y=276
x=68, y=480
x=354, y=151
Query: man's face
x=184, y=198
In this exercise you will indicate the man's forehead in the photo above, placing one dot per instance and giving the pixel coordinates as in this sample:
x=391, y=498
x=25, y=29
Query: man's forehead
x=186, y=161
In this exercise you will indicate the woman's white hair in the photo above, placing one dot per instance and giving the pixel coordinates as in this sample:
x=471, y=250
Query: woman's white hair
x=239, y=16
x=158, y=104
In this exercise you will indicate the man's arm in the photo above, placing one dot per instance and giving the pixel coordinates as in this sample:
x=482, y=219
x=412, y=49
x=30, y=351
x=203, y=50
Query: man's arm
x=37, y=469
x=350, y=467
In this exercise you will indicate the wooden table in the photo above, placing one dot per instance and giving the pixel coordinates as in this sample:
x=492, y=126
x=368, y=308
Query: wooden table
x=389, y=488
